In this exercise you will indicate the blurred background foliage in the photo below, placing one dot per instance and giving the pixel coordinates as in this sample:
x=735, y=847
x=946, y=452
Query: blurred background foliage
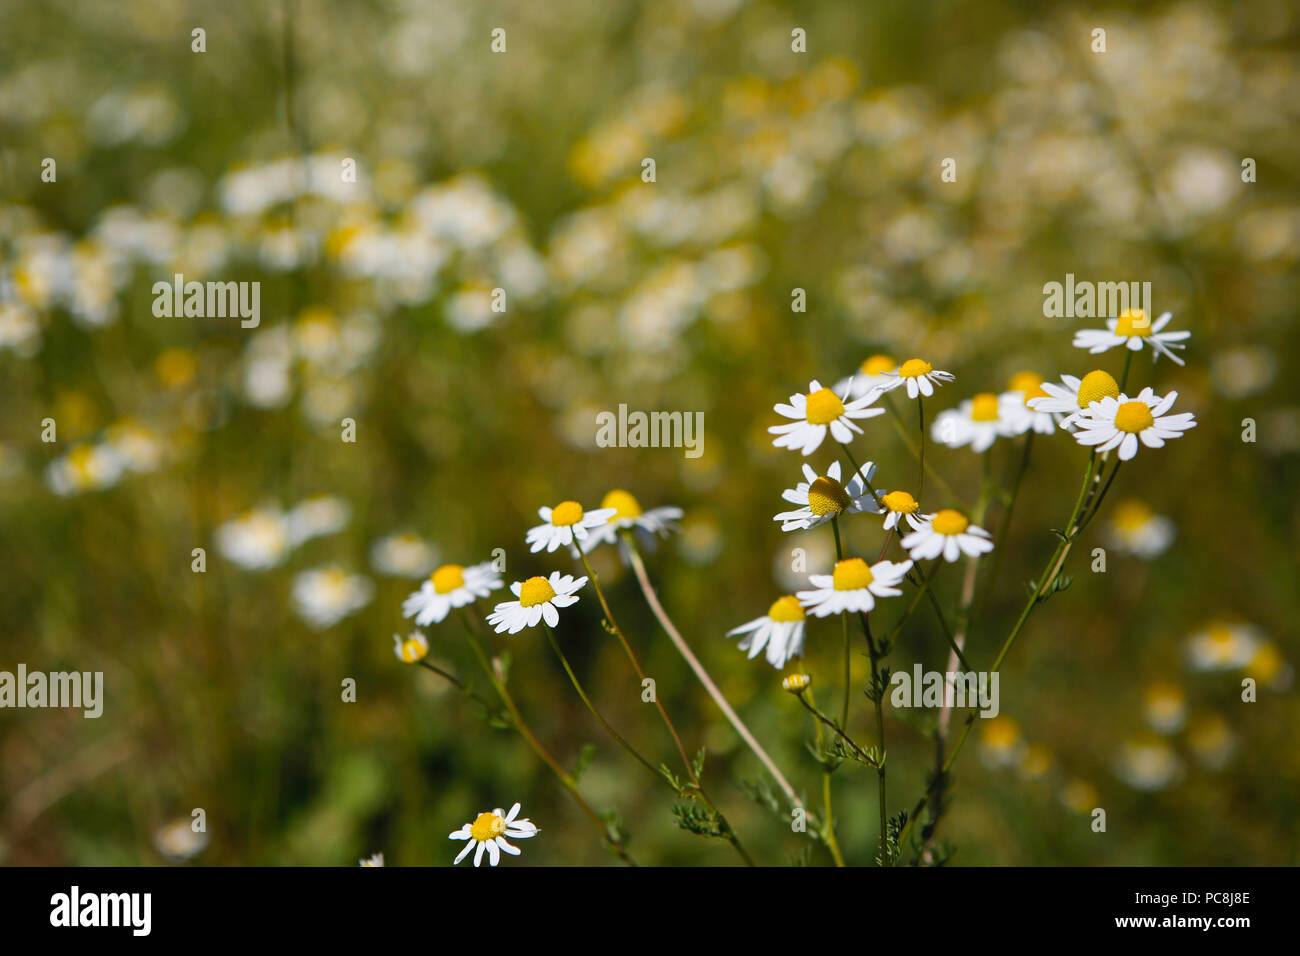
x=521, y=170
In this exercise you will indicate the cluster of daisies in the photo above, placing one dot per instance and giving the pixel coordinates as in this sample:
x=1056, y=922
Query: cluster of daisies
x=1092, y=408
x=538, y=600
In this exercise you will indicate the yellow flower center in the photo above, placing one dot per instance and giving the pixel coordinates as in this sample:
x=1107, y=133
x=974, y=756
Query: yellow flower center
x=1031, y=383
x=535, y=591
x=1222, y=636
x=1000, y=732
x=448, y=578
x=79, y=459
x=878, y=365
x=948, y=522
x=1095, y=386
x=984, y=407
x=1133, y=417
x=851, y=574
x=796, y=682
x=824, y=406
x=786, y=609
x=1130, y=515
x=488, y=826
x=914, y=368
x=827, y=497
x=623, y=504
x=566, y=513
x=900, y=501
x=1133, y=322
x=412, y=650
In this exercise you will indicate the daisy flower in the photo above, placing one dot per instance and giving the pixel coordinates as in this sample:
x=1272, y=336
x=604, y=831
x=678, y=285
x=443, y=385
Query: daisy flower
x=869, y=374
x=977, y=422
x=853, y=586
x=257, y=540
x=919, y=375
x=1148, y=765
x=325, y=596
x=489, y=831
x=1132, y=329
x=948, y=533
x=539, y=599
x=899, y=505
x=1001, y=744
x=1211, y=741
x=1222, y=647
x=449, y=587
x=1073, y=395
x=563, y=523
x=1135, y=529
x=1165, y=708
x=411, y=649
x=780, y=630
x=1270, y=668
x=403, y=555
x=817, y=412
x=1122, y=422
x=1016, y=411
x=823, y=498
x=85, y=468
x=375, y=859
x=796, y=683
x=627, y=513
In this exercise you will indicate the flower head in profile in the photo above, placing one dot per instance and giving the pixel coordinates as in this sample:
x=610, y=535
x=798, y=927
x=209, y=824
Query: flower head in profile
x=920, y=377
x=977, y=422
x=488, y=833
x=780, y=631
x=1016, y=410
x=950, y=534
x=1148, y=764
x=796, y=683
x=1123, y=422
x=869, y=374
x=411, y=649
x=1067, y=400
x=853, y=586
x=539, y=599
x=900, y=505
x=628, y=515
x=564, y=524
x=823, y=497
x=451, y=586
x=258, y=539
x=1133, y=329
x=817, y=412
x=375, y=859
x=85, y=468
x=1135, y=529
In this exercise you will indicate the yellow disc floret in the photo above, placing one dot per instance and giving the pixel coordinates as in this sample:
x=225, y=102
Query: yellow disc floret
x=824, y=406
x=622, y=502
x=487, y=827
x=826, y=496
x=851, y=574
x=948, y=522
x=1095, y=386
x=900, y=501
x=1134, y=417
x=1130, y=515
x=878, y=365
x=984, y=407
x=566, y=513
x=448, y=578
x=1133, y=322
x=786, y=609
x=915, y=368
x=535, y=591
x=1031, y=383
x=795, y=683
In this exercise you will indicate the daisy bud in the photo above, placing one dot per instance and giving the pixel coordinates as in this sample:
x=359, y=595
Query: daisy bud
x=796, y=683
